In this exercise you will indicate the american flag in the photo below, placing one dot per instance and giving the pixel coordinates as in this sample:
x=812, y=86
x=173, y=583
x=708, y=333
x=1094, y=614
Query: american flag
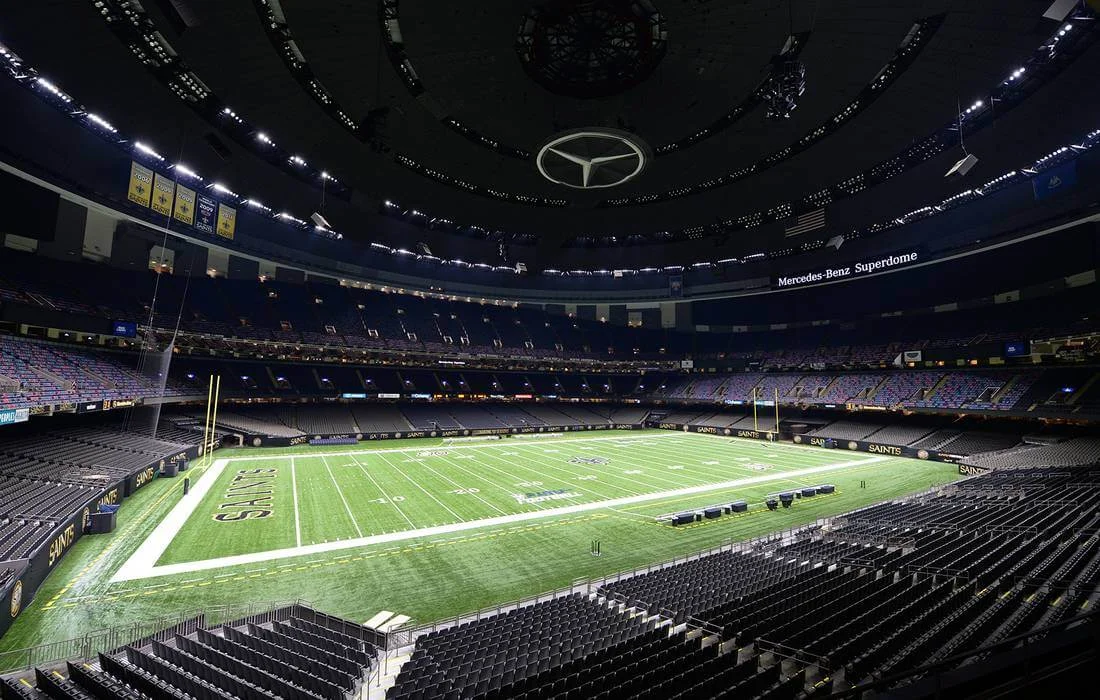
x=809, y=221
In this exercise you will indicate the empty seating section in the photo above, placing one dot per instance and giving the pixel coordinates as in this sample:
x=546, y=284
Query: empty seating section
x=47, y=476
x=324, y=314
x=973, y=442
x=846, y=388
x=937, y=439
x=380, y=419
x=497, y=652
x=260, y=421
x=901, y=387
x=989, y=390
x=901, y=435
x=961, y=389
x=886, y=588
x=352, y=419
x=296, y=655
x=320, y=420
x=1075, y=452
x=35, y=373
x=846, y=430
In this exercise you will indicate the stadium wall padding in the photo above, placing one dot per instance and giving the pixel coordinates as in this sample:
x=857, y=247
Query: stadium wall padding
x=21, y=591
x=813, y=441
x=45, y=559
x=257, y=440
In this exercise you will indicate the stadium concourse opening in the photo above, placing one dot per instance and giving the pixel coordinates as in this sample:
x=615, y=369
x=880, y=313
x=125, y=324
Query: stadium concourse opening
x=618, y=348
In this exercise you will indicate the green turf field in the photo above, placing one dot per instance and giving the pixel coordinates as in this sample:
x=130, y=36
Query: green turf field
x=431, y=530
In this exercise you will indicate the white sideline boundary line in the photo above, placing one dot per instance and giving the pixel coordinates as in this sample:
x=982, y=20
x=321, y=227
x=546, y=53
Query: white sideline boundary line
x=142, y=564
x=297, y=520
x=146, y=555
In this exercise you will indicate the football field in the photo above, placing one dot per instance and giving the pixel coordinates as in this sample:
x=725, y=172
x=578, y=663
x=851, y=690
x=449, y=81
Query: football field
x=430, y=529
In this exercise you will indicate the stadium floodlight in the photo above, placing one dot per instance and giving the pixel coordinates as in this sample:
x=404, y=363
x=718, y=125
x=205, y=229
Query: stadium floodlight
x=187, y=172
x=147, y=151
x=53, y=90
x=263, y=138
x=298, y=160
x=287, y=217
x=101, y=122
x=222, y=189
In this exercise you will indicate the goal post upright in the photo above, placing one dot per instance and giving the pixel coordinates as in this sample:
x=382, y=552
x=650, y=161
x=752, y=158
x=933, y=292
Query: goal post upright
x=214, y=411
x=206, y=422
x=776, y=414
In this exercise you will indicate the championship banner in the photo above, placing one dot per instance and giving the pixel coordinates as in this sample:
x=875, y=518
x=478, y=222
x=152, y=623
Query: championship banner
x=205, y=213
x=227, y=221
x=184, y=211
x=164, y=191
x=141, y=184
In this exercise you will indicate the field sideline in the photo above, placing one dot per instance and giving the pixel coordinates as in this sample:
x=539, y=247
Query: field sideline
x=431, y=530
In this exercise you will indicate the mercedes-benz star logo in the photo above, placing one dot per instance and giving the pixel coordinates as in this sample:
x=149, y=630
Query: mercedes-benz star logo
x=592, y=158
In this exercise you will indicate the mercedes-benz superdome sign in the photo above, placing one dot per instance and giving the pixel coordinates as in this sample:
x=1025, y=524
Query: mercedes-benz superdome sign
x=593, y=158
x=841, y=272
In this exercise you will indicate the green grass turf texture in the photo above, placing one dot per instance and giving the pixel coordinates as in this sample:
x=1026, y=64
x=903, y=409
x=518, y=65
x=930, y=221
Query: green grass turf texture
x=391, y=486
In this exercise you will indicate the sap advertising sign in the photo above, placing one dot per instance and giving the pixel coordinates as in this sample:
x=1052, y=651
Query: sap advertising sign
x=840, y=273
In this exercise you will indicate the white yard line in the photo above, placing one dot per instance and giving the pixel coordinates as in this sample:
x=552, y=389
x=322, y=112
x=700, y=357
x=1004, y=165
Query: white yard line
x=142, y=564
x=297, y=519
x=417, y=485
x=506, y=488
x=582, y=469
x=341, y=492
x=457, y=485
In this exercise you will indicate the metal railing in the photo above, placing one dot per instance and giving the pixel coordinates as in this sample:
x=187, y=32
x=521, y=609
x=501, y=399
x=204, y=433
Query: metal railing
x=139, y=633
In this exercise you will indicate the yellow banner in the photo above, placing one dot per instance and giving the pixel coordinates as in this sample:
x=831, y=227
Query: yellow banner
x=185, y=205
x=164, y=189
x=227, y=221
x=141, y=184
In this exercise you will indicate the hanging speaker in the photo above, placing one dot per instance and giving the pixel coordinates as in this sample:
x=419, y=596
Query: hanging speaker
x=962, y=167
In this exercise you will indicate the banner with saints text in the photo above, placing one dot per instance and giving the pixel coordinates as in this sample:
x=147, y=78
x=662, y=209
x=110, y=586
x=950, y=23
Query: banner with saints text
x=207, y=211
x=184, y=210
x=227, y=221
x=164, y=191
x=141, y=184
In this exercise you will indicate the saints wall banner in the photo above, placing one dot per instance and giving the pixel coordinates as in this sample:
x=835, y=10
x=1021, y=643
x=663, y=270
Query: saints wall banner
x=141, y=184
x=184, y=210
x=164, y=191
x=206, y=211
x=227, y=221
